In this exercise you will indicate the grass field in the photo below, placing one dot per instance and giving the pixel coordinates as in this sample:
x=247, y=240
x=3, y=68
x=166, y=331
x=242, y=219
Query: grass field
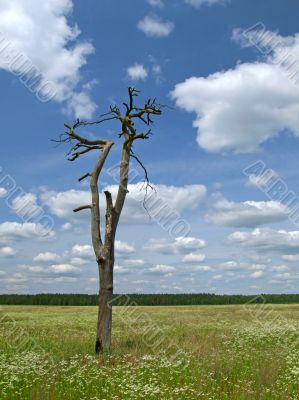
x=208, y=352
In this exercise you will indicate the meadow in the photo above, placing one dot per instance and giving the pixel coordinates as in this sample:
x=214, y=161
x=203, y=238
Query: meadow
x=166, y=353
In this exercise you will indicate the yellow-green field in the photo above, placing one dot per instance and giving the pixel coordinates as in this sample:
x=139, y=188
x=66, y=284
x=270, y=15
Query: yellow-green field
x=210, y=352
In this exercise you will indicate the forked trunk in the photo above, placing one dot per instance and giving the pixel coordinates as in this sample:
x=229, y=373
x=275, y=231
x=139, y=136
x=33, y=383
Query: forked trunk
x=104, y=325
x=104, y=250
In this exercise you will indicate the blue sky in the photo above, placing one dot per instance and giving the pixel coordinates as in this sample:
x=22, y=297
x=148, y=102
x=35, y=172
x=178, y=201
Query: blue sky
x=229, y=72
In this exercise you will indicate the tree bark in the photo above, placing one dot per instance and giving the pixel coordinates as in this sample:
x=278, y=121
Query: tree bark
x=104, y=325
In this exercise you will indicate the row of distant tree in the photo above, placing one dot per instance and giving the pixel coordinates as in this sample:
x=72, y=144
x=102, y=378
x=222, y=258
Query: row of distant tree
x=147, y=299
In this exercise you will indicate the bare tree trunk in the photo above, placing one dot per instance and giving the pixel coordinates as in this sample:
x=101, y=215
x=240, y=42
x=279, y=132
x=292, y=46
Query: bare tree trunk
x=104, y=325
x=104, y=250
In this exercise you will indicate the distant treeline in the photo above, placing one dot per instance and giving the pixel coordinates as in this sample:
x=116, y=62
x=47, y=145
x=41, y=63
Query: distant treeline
x=146, y=299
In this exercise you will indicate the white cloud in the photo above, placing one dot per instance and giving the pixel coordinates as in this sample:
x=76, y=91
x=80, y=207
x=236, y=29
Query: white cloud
x=261, y=181
x=137, y=72
x=47, y=257
x=63, y=269
x=120, y=270
x=254, y=102
x=162, y=269
x=79, y=261
x=64, y=279
x=155, y=27
x=157, y=73
x=3, y=192
x=123, y=248
x=180, y=245
x=42, y=34
x=66, y=227
x=217, y=277
x=230, y=265
x=26, y=206
x=256, y=267
x=134, y=262
x=7, y=251
x=199, y=3
x=257, y=274
x=193, y=258
x=62, y=204
x=80, y=105
x=14, y=231
x=267, y=239
x=279, y=268
x=290, y=257
x=56, y=269
x=165, y=199
x=286, y=276
x=203, y=268
x=86, y=251
x=156, y=3
x=247, y=214
x=83, y=251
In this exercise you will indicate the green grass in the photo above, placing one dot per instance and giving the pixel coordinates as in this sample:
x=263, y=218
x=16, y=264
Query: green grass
x=188, y=352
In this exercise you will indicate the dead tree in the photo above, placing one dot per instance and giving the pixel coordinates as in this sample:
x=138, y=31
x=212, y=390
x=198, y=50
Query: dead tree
x=104, y=247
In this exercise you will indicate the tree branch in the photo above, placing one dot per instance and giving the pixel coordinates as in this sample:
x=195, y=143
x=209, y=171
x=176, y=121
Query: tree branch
x=82, y=208
x=84, y=176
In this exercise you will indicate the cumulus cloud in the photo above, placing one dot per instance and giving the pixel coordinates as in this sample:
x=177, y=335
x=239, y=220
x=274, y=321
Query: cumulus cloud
x=26, y=206
x=134, y=262
x=262, y=181
x=230, y=265
x=279, y=268
x=63, y=269
x=47, y=257
x=203, y=268
x=285, y=277
x=120, y=269
x=266, y=239
x=7, y=251
x=123, y=248
x=83, y=251
x=50, y=49
x=193, y=258
x=247, y=214
x=14, y=231
x=217, y=277
x=86, y=251
x=137, y=72
x=162, y=269
x=156, y=3
x=66, y=227
x=155, y=27
x=62, y=204
x=163, y=200
x=290, y=257
x=56, y=269
x=254, y=102
x=3, y=192
x=179, y=245
x=199, y=3
x=257, y=274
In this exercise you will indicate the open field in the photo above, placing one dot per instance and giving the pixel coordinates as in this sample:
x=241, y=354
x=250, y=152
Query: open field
x=207, y=352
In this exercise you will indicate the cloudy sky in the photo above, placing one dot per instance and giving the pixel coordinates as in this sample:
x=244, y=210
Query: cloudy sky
x=223, y=157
